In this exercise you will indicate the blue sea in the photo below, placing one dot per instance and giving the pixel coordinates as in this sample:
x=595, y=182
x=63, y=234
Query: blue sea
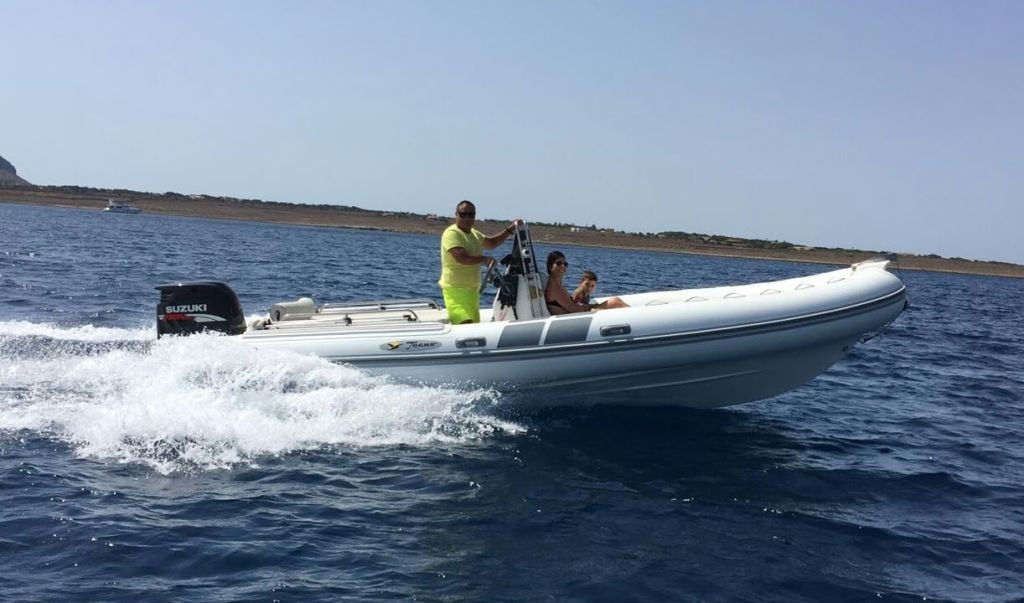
x=201, y=469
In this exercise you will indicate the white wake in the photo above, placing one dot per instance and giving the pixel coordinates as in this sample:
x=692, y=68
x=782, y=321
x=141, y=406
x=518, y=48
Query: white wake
x=206, y=402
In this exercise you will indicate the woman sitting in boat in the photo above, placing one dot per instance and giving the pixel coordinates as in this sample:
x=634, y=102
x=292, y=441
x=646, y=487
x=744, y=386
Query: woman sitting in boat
x=558, y=299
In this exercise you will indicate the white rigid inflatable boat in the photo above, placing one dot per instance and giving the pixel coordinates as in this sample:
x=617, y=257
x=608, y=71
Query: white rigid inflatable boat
x=700, y=348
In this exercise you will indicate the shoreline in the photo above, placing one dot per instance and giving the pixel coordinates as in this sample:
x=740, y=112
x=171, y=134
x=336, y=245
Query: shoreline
x=332, y=216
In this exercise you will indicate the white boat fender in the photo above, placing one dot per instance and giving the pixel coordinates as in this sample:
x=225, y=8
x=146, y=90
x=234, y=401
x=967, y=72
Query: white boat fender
x=301, y=309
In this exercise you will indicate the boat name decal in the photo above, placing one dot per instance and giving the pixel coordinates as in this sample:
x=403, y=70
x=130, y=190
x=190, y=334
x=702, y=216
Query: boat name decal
x=186, y=308
x=409, y=346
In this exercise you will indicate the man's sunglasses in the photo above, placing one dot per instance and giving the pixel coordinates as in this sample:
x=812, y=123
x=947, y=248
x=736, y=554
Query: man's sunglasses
x=467, y=214
x=561, y=263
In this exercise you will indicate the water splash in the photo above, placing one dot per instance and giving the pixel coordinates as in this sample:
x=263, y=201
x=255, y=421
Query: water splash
x=207, y=402
x=24, y=328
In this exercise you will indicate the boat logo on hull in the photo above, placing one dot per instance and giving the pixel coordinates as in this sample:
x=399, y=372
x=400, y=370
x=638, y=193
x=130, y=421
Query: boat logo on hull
x=409, y=346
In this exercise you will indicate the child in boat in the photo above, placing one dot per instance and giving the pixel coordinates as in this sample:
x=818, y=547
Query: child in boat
x=585, y=291
x=587, y=285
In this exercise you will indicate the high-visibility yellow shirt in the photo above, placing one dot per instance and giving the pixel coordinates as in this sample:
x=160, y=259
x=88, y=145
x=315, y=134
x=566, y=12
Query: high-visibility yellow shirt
x=454, y=274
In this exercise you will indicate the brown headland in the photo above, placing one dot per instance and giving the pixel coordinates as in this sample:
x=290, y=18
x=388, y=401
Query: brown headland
x=341, y=216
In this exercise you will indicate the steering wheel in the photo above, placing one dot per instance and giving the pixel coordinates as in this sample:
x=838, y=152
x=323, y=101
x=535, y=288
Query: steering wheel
x=487, y=277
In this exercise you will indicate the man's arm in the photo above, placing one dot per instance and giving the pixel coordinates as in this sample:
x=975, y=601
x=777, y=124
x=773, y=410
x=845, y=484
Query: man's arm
x=496, y=240
x=462, y=256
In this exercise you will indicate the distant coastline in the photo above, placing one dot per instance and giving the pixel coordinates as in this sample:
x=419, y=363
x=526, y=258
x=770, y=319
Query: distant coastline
x=340, y=216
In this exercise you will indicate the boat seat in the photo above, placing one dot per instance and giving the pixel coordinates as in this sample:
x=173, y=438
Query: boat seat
x=433, y=316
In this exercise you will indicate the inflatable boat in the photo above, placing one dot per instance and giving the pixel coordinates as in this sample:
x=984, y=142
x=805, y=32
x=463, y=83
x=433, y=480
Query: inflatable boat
x=701, y=348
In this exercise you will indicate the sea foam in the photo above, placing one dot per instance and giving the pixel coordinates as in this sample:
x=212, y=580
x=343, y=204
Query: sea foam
x=209, y=401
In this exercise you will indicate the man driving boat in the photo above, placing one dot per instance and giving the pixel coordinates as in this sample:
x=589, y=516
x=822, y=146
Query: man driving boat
x=461, y=257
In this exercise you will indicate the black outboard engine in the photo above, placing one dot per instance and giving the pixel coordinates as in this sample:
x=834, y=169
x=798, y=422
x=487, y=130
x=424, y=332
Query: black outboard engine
x=187, y=308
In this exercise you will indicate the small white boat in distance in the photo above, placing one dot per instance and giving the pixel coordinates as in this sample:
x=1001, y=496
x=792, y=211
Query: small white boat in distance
x=118, y=208
x=700, y=348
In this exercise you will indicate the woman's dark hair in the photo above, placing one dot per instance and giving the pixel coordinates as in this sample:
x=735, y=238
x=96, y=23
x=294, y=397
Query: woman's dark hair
x=553, y=257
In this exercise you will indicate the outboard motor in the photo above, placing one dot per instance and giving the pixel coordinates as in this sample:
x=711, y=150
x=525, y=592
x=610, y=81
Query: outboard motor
x=187, y=308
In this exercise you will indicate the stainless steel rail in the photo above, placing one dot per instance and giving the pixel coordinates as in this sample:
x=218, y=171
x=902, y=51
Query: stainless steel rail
x=384, y=305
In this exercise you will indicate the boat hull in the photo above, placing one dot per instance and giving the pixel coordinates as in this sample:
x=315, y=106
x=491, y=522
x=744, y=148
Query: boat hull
x=698, y=370
x=701, y=348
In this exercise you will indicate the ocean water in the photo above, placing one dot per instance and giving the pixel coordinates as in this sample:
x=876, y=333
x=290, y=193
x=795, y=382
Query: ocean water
x=200, y=469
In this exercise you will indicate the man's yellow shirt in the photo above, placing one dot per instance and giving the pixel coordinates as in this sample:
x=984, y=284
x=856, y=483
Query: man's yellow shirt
x=454, y=274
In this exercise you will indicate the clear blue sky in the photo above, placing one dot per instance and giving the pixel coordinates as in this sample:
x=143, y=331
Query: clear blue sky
x=895, y=125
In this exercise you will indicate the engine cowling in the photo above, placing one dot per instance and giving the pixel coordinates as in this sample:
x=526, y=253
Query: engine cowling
x=196, y=307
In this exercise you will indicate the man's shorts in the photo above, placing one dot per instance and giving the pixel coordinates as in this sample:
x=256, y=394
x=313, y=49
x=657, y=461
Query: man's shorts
x=463, y=304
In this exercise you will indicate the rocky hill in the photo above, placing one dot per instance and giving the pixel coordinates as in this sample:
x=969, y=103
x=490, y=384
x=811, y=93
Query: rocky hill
x=9, y=175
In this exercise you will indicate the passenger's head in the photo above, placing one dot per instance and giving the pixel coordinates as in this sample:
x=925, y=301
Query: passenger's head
x=589, y=281
x=465, y=214
x=556, y=261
